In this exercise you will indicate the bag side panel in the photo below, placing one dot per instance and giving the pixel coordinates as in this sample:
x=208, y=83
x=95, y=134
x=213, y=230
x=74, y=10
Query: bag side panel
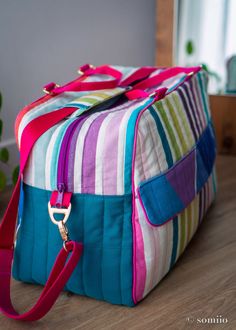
x=167, y=132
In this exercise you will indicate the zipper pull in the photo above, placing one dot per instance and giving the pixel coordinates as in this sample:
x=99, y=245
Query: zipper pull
x=60, y=194
x=60, y=198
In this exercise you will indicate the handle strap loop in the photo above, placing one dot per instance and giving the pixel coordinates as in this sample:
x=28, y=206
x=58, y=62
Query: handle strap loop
x=65, y=263
x=81, y=85
x=164, y=75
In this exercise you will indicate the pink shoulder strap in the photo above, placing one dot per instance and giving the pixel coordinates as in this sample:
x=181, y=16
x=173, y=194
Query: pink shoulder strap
x=62, y=268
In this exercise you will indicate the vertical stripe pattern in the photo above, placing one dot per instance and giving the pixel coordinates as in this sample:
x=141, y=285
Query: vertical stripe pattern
x=175, y=124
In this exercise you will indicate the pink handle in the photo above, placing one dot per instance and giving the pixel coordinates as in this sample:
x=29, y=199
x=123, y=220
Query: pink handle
x=140, y=74
x=166, y=74
x=80, y=85
x=61, y=270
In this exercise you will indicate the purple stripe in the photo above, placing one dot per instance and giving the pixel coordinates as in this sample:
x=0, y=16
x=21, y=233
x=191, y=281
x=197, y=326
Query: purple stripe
x=199, y=110
x=182, y=97
x=63, y=156
x=89, y=155
x=186, y=89
x=184, y=173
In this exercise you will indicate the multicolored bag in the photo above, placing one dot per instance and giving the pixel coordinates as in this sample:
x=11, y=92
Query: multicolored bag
x=121, y=171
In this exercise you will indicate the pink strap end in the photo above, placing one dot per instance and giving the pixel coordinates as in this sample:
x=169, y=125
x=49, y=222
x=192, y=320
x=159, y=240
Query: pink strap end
x=136, y=94
x=49, y=87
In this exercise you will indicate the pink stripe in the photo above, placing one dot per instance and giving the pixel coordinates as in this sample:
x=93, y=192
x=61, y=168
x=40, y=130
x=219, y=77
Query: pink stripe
x=135, y=272
x=140, y=259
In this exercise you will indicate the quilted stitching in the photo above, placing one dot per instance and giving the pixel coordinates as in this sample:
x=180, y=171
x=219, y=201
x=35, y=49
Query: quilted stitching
x=105, y=270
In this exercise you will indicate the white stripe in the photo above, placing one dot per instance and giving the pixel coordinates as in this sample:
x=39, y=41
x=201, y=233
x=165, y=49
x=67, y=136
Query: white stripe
x=155, y=160
x=29, y=172
x=49, y=153
x=102, y=135
x=122, y=145
x=161, y=239
x=46, y=107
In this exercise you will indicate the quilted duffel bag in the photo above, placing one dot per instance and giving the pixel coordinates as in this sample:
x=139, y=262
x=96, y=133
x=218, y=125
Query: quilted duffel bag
x=116, y=174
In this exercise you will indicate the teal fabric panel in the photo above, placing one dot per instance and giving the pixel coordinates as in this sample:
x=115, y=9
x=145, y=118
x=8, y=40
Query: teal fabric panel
x=102, y=223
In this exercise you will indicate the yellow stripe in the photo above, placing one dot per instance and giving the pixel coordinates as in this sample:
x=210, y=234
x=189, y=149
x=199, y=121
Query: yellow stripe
x=177, y=127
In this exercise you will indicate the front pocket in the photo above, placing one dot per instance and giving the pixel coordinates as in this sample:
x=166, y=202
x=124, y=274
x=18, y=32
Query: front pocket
x=166, y=195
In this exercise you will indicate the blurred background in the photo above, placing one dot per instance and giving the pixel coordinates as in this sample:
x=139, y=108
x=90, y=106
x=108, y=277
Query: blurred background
x=47, y=40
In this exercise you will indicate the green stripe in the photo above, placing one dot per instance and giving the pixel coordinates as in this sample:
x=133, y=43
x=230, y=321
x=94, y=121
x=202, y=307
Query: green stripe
x=88, y=100
x=177, y=126
x=169, y=130
x=214, y=180
x=203, y=89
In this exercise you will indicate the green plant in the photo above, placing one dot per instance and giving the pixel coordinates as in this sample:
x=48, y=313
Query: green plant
x=189, y=47
x=4, y=158
x=190, y=50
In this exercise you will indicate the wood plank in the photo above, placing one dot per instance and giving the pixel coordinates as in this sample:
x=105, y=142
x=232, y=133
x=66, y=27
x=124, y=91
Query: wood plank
x=165, y=11
x=201, y=285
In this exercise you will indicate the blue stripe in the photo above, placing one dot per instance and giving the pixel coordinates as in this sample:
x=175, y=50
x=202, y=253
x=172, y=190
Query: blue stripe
x=164, y=140
x=175, y=241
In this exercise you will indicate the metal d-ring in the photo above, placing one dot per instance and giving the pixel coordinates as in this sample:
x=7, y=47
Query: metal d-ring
x=57, y=210
x=61, y=223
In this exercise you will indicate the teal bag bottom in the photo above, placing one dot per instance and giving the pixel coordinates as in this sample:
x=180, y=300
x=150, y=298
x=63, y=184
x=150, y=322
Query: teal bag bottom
x=102, y=223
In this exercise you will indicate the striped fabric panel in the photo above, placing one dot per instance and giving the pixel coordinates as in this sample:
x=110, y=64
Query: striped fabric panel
x=175, y=125
x=96, y=153
x=163, y=245
x=44, y=106
x=82, y=100
x=99, y=153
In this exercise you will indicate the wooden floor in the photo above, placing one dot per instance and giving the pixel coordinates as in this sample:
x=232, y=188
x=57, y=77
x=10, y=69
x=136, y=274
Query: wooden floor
x=202, y=284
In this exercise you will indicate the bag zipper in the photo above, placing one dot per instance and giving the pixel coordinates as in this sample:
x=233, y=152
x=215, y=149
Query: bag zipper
x=62, y=180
